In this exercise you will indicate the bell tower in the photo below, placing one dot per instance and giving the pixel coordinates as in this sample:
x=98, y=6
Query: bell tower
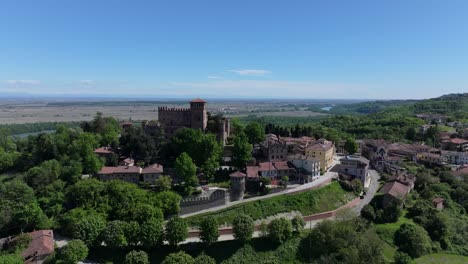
x=199, y=118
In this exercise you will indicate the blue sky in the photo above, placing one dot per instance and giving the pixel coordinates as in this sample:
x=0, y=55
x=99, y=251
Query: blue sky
x=234, y=49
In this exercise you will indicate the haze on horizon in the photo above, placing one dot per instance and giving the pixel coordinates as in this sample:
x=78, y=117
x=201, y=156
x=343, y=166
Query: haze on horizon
x=237, y=49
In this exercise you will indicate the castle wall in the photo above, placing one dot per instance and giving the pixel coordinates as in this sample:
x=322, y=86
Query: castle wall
x=174, y=118
x=191, y=205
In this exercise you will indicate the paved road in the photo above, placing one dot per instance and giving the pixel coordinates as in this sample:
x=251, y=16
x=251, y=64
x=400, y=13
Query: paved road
x=324, y=178
x=371, y=191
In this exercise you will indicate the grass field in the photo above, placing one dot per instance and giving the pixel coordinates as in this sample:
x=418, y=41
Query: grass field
x=283, y=113
x=324, y=199
x=441, y=258
x=386, y=231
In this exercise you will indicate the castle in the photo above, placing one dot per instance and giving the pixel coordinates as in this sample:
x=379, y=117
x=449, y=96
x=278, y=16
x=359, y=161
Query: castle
x=195, y=117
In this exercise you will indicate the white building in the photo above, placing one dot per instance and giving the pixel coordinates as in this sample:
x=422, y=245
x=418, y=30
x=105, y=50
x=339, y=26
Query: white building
x=456, y=157
x=306, y=165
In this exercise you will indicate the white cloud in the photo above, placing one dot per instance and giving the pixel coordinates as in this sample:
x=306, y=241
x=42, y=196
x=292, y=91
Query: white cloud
x=251, y=72
x=23, y=82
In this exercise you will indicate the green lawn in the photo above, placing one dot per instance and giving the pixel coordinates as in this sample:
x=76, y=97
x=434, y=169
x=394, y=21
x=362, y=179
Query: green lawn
x=386, y=231
x=442, y=258
x=324, y=199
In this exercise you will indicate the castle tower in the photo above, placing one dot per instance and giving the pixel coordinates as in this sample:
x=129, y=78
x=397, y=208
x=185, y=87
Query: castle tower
x=237, y=186
x=199, y=118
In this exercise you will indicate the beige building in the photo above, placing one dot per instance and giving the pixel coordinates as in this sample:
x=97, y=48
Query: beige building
x=152, y=173
x=124, y=173
x=323, y=150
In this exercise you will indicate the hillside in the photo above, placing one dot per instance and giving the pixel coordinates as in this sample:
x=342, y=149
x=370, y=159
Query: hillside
x=454, y=105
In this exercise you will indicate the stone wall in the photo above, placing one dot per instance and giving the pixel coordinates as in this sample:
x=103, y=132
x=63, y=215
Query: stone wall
x=195, y=204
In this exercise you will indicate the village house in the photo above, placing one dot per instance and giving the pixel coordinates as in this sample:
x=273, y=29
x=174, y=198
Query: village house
x=455, y=157
x=324, y=151
x=430, y=159
x=132, y=174
x=456, y=144
x=394, y=192
x=127, y=162
x=307, y=168
x=275, y=148
x=152, y=173
x=460, y=172
x=42, y=245
x=404, y=178
x=275, y=151
x=355, y=166
x=105, y=152
x=438, y=203
x=125, y=173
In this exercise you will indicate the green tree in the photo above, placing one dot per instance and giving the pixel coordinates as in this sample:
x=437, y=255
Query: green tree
x=368, y=213
x=136, y=257
x=401, y=258
x=114, y=234
x=168, y=201
x=351, y=146
x=340, y=242
x=391, y=213
x=412, y=240
x=203, y=148
x=88, y=229
x=11, y=259
x=209, y=232
x=137, y=144
x=204, y=259
x=176, y=230
x=242, y=151
x=279, y=230
x=73, y=252
x=298, y=223
x=187, y=170
x=163, y=183
x=179, y=258
x=243, y=227
x=255, y=132
x=20, y=243
x=132, y=233
x=151, y=232
x=40, y=176
x=82, y=149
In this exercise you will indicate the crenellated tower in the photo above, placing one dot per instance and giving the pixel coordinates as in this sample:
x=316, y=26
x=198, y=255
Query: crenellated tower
x=199, y=119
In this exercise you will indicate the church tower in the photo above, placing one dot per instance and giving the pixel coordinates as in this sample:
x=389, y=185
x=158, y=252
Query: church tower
x=199, y=118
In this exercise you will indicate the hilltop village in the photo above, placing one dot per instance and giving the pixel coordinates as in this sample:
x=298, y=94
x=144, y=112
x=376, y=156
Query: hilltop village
x=190, y=176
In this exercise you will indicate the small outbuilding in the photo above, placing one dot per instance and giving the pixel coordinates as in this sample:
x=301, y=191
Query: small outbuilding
x=438, y=203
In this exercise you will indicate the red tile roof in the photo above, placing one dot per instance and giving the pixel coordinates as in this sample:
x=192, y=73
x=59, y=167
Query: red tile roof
x=198, y=100
x=395, y=189
x=154, y=168
x=104, y=150
x=266, y=166
x=252, y=171
x=281, y=165
x=107, y=170
x=438, y=200
x=458, y=141
x=237, y=174
x=127, y=169
x=320, y=145
x=42, y=244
